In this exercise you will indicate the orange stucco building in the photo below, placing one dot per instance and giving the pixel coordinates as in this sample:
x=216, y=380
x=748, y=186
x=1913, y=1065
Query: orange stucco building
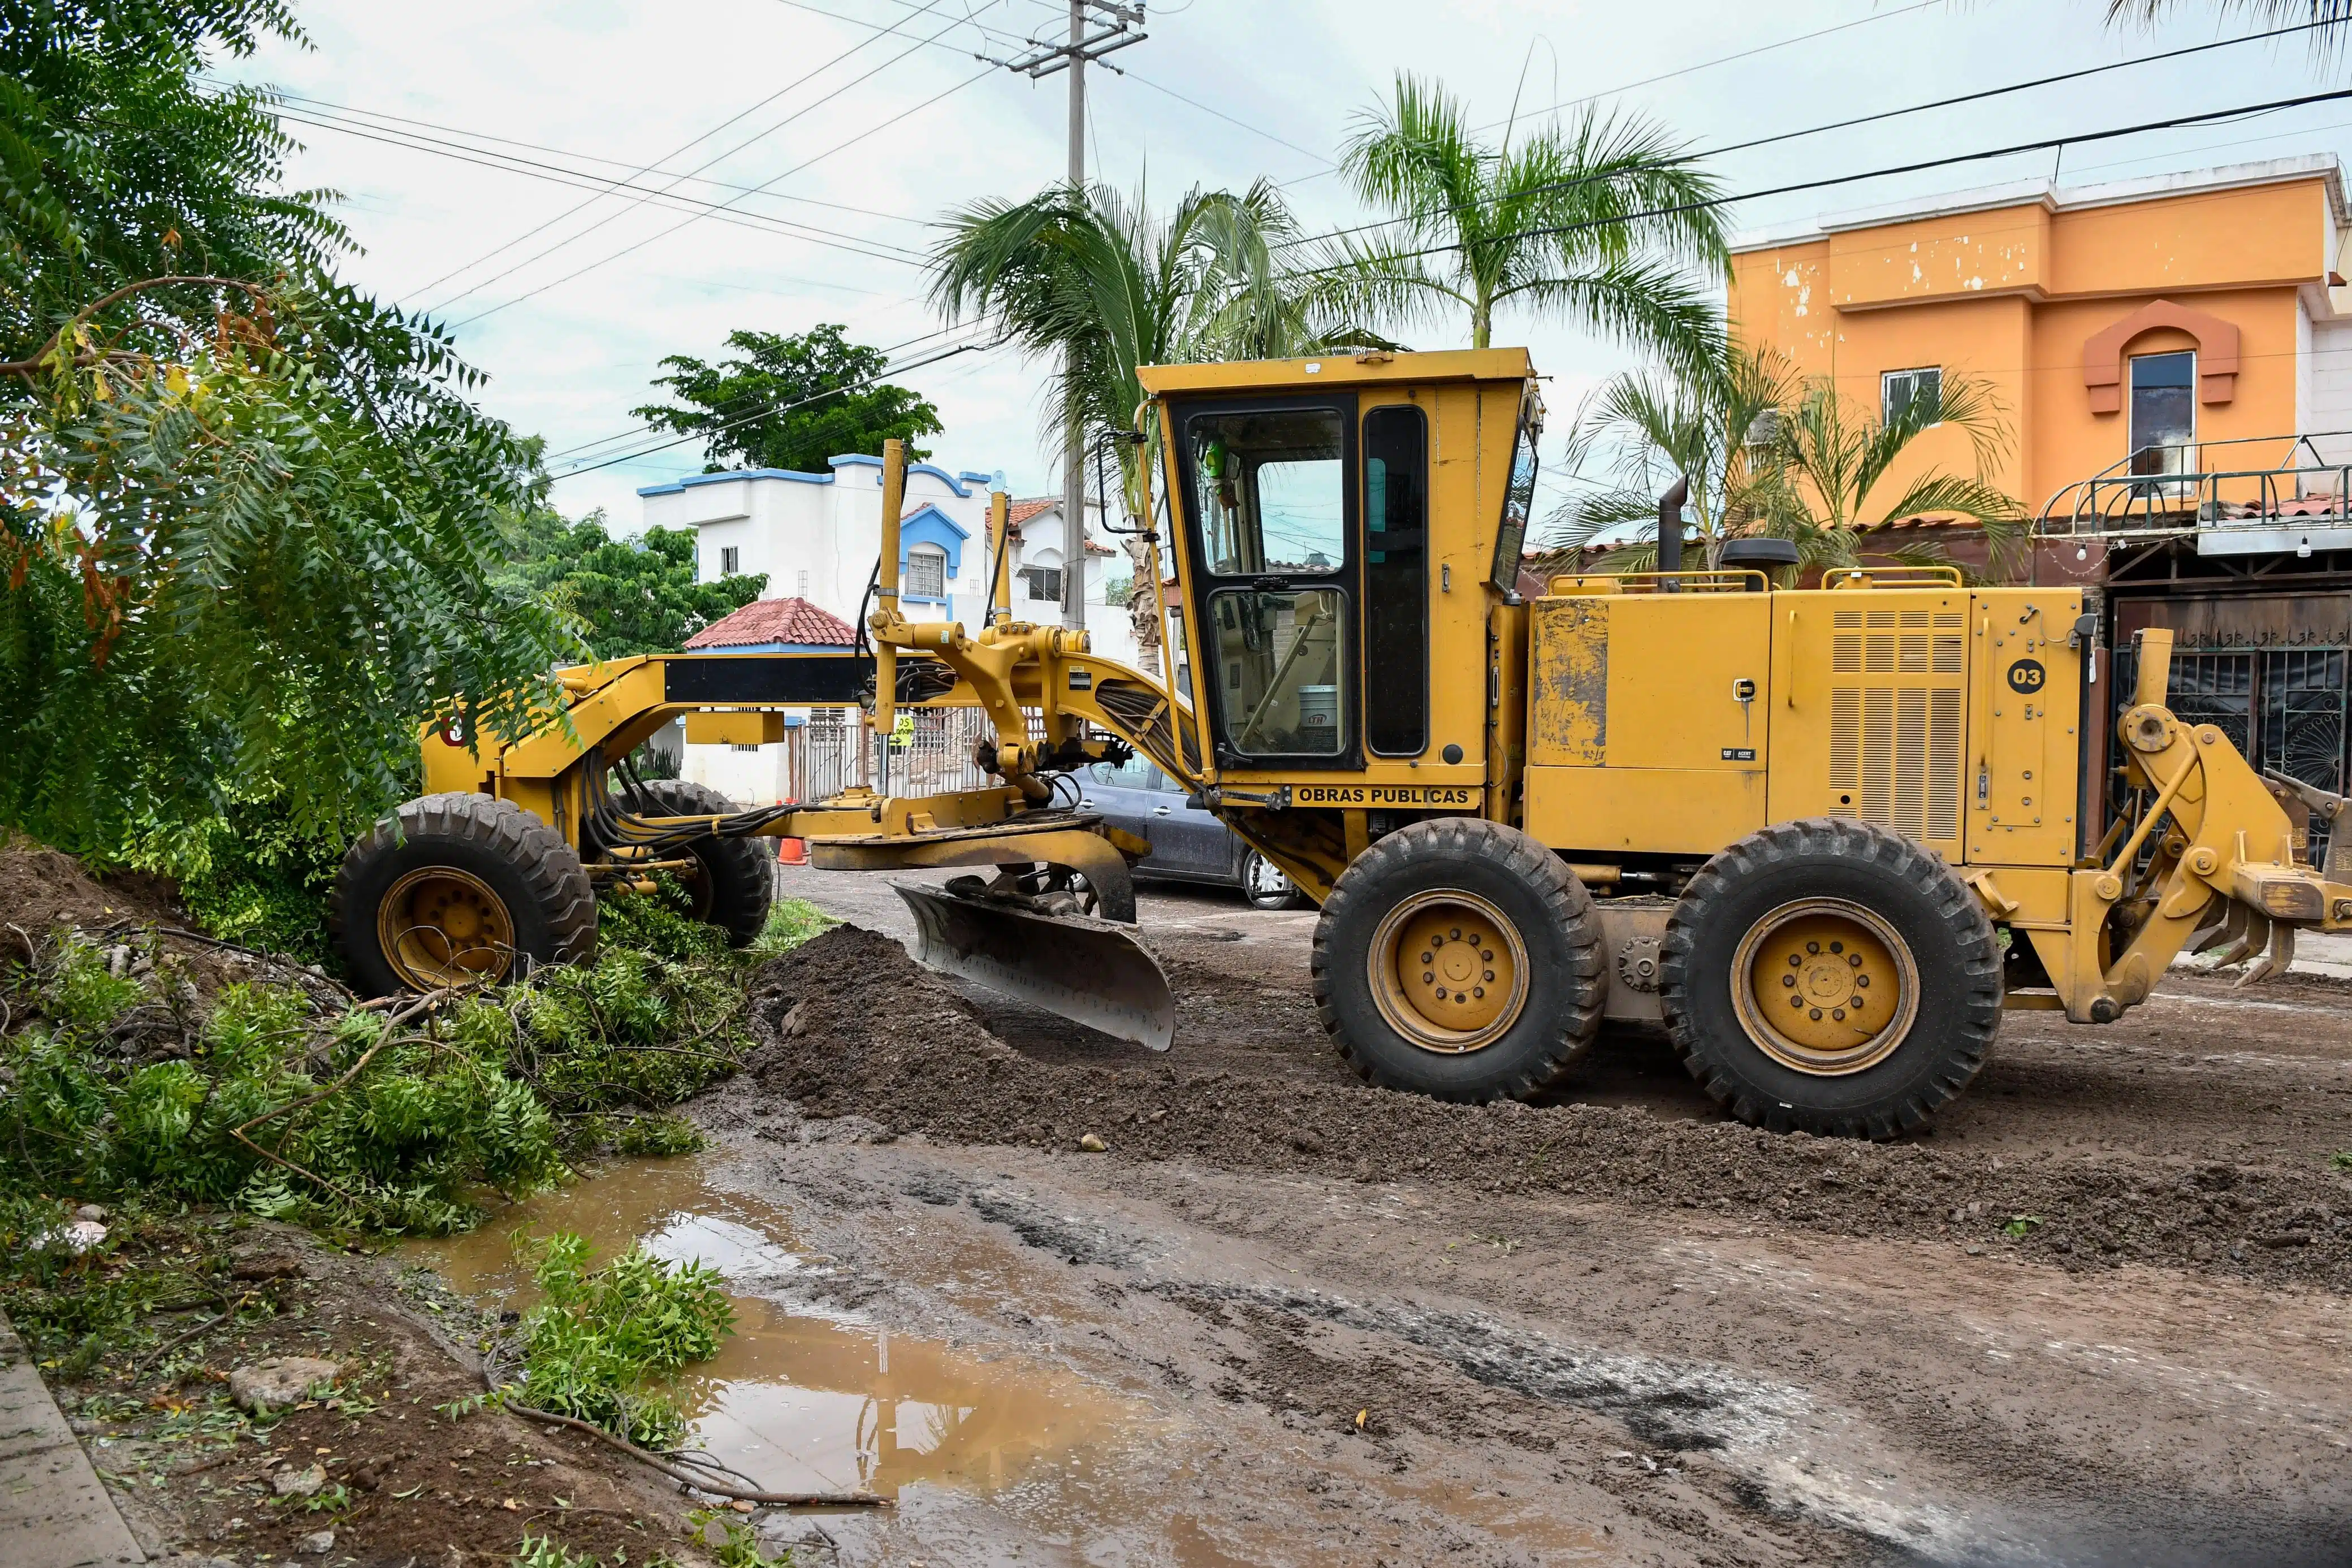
x=2194, y=325
x=2076, y=305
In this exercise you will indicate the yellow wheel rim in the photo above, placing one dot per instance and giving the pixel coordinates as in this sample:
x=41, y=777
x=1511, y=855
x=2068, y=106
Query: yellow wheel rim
x=1448, y=972
x=441, y=926
x=1825, y=987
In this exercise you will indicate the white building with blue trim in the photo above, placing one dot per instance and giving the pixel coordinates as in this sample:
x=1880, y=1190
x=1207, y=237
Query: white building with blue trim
x=815, y=536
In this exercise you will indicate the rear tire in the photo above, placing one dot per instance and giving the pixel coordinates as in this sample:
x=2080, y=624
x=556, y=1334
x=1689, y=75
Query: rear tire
x=1406, y=973
x=736, y=882
x=460, y=889
x=1831, y=976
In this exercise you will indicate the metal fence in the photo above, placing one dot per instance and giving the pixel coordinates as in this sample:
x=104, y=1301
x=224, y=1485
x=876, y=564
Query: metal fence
x=930, y=755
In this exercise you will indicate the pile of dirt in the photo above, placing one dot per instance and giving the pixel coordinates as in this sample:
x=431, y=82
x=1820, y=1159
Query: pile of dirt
x=41, y=889
x=852, y=1027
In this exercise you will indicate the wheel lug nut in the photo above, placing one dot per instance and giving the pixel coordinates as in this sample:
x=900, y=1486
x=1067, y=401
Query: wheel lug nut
x=1796, y=1001
x=1455, y=934
x=1838, y=1013
x=1837, y=947
x=1862, y=980
x=1478, y=991
x=1795, y=959
x=1490, y=973
x=1855, y=1004
x=1854, y=960
x=1788, y=979
x=1425, y=957
x=1812, y=946
x=1817, y=1015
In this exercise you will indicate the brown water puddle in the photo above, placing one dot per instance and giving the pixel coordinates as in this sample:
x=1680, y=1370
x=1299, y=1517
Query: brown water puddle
x=796, y=1401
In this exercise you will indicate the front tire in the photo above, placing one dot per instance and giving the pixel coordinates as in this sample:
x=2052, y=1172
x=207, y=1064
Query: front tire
x=1831, y=976
x=734, y=879
x=1459, y=958
x=455, y=890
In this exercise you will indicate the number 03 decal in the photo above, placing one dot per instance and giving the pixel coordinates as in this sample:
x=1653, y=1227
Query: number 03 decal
x=2026, y=675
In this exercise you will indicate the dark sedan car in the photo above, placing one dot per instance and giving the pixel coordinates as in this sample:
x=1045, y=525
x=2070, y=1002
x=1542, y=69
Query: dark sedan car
x=1187, y=843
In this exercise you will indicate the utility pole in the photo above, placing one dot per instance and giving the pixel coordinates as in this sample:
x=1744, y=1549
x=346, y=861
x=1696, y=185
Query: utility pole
x=1096, y=27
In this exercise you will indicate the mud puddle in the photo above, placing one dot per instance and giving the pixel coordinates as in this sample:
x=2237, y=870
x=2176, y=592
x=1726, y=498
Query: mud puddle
x=796, y=1400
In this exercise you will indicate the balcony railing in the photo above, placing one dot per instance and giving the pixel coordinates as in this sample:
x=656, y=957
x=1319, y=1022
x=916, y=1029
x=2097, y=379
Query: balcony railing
x=2212, y=485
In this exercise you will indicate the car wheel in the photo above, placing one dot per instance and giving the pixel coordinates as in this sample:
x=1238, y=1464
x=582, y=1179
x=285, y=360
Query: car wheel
x=1266, y=885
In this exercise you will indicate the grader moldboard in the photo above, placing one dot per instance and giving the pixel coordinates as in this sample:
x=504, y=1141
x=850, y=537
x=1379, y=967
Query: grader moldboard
x=1824, y=836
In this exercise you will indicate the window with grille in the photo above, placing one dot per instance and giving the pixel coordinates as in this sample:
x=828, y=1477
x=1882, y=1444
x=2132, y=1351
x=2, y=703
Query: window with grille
x=926, y=572
x=1898, y=390
x=1044, y=582
x=803, y=588
x=730, y=558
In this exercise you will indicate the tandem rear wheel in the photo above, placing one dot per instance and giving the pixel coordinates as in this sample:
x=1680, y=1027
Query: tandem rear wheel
x=1460, y=959
x=1831, y=976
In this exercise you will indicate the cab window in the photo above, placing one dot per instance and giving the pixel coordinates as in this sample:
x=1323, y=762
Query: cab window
x=1273, y=492
x=1396, y=579
x=1281, y=654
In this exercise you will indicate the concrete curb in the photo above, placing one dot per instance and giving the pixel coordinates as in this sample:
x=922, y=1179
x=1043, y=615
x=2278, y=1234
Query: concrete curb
x=54, y=1510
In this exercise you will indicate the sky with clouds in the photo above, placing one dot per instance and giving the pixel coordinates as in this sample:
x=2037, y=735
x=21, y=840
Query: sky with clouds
x=835, y=134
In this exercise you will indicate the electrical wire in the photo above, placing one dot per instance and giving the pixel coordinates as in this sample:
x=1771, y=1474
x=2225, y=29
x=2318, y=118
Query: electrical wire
x=1977, y=96
x=670, y=200
x=559, y=217
x=731, y=201
x=639, y=429
x=370, y=116
x=947, y=353
x=1827, y=182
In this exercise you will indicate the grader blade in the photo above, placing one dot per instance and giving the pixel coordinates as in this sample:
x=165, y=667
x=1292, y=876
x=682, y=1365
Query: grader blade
x=1092, y=972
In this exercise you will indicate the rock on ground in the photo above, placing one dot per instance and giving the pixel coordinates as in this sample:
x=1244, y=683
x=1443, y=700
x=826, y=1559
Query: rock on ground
x=280, y=1381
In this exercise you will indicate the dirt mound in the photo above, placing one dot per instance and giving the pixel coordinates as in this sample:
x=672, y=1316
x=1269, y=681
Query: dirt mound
x=40, y=888
x=852, y=1027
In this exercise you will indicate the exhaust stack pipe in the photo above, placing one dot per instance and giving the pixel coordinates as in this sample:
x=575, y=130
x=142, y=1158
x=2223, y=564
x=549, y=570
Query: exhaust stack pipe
x=1670, y=529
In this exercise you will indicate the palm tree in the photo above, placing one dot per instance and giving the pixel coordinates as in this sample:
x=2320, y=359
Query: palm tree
x=2331, y=19
x=1656, y=428
x=1829, y=464
x=1100, y=282
x=1766, y=455
x=1603, y=220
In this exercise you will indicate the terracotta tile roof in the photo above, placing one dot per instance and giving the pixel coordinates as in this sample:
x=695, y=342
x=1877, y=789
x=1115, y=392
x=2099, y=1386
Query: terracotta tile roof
x=776, y=620
x=1020, y=512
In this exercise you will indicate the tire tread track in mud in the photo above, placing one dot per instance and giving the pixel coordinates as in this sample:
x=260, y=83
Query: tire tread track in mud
x=851, y=1026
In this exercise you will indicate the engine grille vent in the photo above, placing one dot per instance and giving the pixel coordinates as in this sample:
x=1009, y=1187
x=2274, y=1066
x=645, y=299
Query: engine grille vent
x=1894, y=746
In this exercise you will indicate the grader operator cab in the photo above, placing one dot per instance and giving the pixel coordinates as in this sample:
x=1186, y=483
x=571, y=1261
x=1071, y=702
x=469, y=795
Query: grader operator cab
x=1823, y=836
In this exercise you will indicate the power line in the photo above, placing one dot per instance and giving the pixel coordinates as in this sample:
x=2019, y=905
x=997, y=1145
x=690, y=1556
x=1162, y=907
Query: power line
x=2044, y=145
x=1848, y=124
x=636, y=430
x=581, y=206
x=369, y=116
x=674, y=228
x=948, y=352
x=554, y=174
x=731, y=201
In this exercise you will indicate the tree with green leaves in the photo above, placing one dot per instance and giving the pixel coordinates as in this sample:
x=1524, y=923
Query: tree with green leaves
x=791, y=402
x=628, y=596
x=1768, y=453
x=1605, y=221
x=1835, y=466
x=247, y=516
x=1105, y=286
x=1648, y=428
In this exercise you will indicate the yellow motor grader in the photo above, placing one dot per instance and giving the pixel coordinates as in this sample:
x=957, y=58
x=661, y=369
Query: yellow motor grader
x=1823, y=836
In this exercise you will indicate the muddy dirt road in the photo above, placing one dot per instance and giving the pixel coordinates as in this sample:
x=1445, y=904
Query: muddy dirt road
x=2098, y=1317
